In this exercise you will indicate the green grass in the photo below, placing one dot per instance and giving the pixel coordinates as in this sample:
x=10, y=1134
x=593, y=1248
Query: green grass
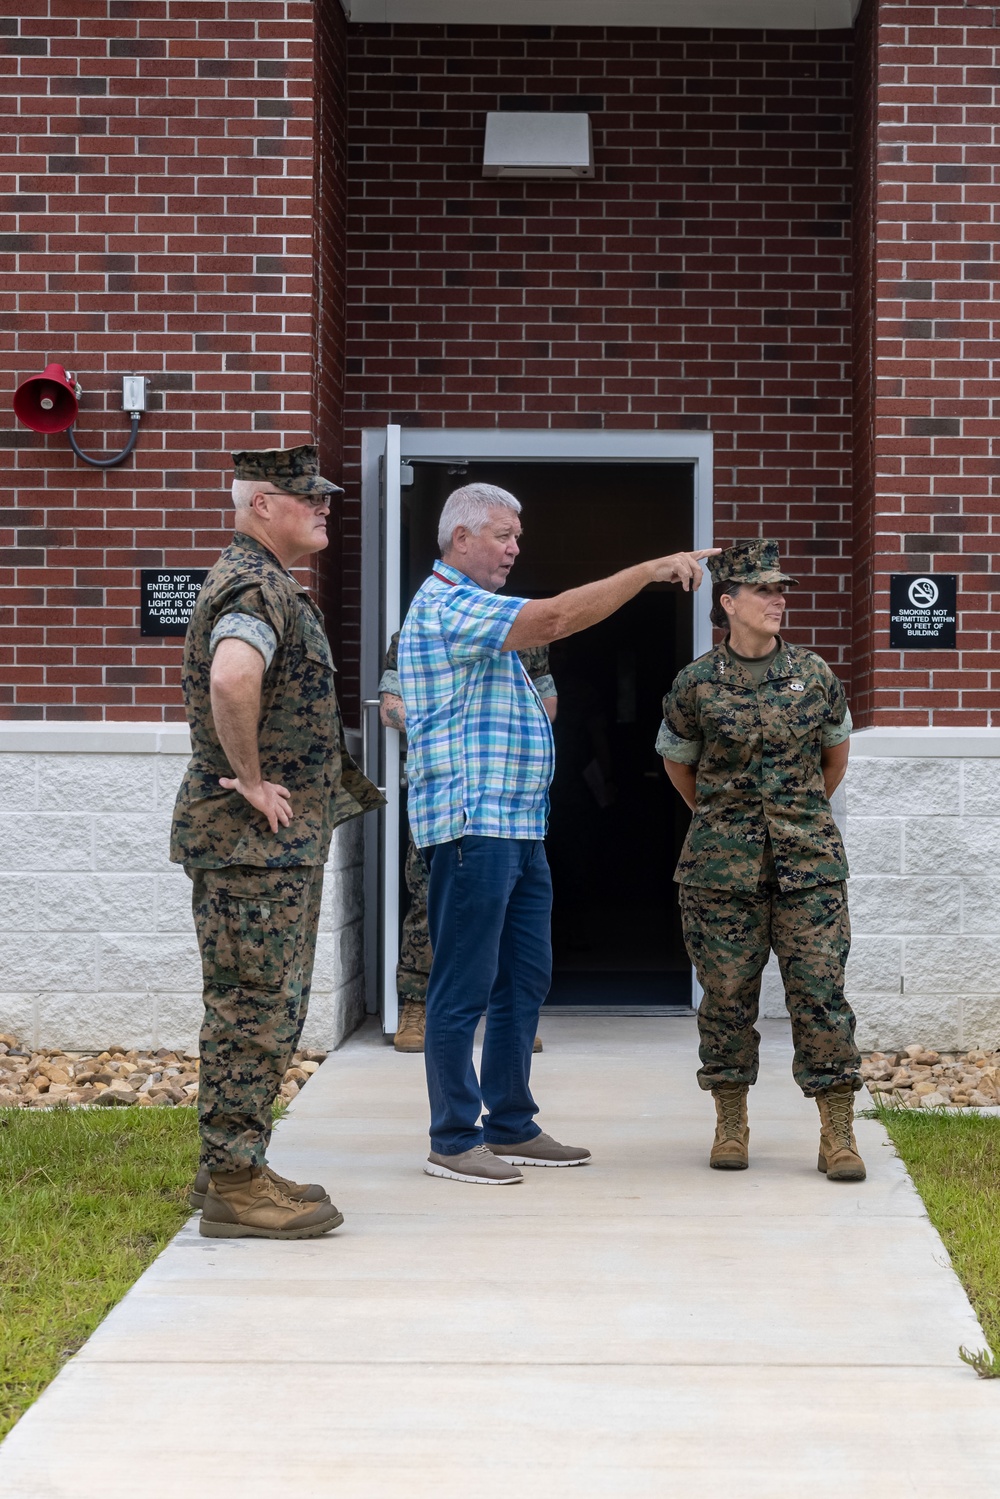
x=87, y=1199
x=954, y=1160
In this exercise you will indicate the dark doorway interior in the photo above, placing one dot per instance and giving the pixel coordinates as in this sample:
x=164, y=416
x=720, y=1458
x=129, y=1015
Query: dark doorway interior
x=616, y=825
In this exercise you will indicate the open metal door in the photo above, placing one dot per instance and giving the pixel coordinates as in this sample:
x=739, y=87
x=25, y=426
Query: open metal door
x=384, y=527
x=389, y=770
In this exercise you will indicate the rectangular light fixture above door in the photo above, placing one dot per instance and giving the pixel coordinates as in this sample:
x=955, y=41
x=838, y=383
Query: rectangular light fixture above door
x=530, y=144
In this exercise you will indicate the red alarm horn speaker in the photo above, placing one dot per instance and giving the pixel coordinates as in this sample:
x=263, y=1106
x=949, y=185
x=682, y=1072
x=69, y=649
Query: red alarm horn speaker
x=47, y=402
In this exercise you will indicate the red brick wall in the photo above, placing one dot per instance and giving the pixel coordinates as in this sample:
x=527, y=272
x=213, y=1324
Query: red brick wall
x=864, y=211
x=936, y=468
x=337, y=582
x=160, y=220
x=702, y=280
x=167, y=216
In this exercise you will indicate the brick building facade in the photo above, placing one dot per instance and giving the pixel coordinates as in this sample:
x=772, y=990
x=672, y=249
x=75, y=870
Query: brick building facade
x=279, y=216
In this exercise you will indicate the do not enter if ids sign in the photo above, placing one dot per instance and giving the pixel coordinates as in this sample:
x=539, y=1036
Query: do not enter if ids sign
x=167, y=598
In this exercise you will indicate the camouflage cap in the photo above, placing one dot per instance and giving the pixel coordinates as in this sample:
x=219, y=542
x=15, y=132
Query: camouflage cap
x=292, y=470
x=749, y=562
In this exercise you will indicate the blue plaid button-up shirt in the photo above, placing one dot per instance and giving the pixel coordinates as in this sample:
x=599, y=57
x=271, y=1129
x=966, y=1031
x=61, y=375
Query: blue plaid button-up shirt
x=480, y=749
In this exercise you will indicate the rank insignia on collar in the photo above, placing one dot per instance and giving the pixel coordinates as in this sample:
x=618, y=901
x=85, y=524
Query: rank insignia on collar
x=796, y=686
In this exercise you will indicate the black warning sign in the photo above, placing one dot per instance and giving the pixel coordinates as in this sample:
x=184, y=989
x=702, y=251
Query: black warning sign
x=166, y=599
x=922, y=611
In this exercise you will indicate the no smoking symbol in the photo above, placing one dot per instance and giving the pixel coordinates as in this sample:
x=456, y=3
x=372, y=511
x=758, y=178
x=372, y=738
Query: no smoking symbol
x=923, y=593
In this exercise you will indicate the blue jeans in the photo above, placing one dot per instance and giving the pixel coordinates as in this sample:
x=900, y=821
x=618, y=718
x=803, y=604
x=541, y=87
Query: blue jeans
x=489, y=908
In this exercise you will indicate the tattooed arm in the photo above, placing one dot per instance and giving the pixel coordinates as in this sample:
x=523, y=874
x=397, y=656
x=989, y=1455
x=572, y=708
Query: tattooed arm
x=391, y=711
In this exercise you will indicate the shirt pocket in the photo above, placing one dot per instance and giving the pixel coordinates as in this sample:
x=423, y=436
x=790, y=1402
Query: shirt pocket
x=807, y=715
x=303, y=724
x=729, y=720
x=313, y=643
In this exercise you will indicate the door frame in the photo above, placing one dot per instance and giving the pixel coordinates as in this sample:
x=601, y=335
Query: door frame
x=511, y=444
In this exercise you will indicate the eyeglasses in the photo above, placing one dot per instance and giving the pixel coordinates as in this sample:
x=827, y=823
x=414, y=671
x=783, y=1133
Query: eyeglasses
x=314, y=501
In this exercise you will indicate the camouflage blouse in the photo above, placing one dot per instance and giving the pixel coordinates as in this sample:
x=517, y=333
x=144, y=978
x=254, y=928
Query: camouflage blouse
x=300, y=731
x=758, y=755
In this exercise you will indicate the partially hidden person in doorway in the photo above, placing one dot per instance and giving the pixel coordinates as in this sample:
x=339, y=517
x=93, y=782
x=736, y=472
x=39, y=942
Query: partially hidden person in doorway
x=755, y=738
x=479, y=766
x=268, y=781
x=414, y=966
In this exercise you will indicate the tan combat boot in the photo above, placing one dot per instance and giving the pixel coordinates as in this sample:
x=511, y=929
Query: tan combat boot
x=838, y=1149
x=300, y=1192
x=249, y=1204
x=731, y=1146
x=410, y=1030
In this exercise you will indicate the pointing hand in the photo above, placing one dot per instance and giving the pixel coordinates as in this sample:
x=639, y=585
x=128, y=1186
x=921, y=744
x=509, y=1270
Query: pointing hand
x=682, y=567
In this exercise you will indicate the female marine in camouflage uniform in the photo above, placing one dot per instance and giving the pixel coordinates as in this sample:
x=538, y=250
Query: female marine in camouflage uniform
x=755, y=738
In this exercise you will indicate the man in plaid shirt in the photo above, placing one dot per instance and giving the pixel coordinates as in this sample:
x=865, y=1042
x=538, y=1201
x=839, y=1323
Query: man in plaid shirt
x=479, y=766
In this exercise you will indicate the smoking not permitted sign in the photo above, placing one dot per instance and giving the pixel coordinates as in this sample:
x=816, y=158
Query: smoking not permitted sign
x=922, y=611
x=167, y=599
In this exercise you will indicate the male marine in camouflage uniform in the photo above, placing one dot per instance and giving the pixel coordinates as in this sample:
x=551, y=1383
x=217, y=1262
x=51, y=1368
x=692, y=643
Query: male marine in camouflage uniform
x=414, y=966
x=755, y=738
x=268, y=781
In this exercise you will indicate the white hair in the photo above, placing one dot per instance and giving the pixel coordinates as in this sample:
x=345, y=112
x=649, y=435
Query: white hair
x=243, y=492
x=470, y=507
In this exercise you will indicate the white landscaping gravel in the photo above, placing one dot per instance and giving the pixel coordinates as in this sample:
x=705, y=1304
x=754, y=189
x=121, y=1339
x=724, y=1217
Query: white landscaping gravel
x=115, y=1078
x=916, y=1078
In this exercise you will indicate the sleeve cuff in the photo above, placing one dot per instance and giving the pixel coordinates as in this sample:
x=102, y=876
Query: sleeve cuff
x=836, y=733
x=389, y=682
x=672, y=747
x=249, y=628
x=545, y=686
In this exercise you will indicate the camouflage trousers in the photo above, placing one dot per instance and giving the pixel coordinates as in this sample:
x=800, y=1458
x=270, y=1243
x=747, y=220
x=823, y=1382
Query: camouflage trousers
x=257, y=934
x=414, y=966
x=729, y=935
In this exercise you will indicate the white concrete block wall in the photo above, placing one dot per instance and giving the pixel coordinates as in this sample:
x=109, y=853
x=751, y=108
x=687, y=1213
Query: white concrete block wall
x=97, y=943
x=920, y=813
x=922, y=832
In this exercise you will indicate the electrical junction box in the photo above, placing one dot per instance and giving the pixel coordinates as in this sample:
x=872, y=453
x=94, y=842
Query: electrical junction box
x=530, y=144
x=133, y=392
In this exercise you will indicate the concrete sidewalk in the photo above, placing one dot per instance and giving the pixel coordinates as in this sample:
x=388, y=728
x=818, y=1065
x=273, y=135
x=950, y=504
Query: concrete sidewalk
x=640, y=1327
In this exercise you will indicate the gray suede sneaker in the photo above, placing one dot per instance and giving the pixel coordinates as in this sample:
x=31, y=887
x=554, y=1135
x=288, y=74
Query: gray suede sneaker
x=478, y=1165
x=541, y=1151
